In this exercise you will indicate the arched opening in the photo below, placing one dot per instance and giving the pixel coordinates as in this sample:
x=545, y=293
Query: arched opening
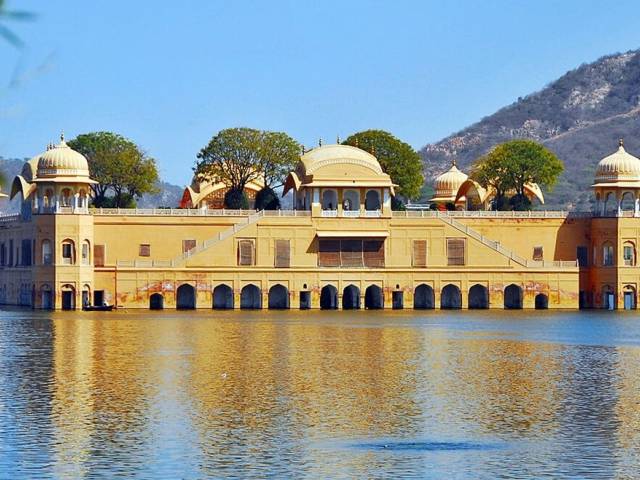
x=46, y=297
x=186, y=297
x=627, y=202
x=329, y=297
x=608, y=258
x=305, y=300
x=223, y=297
x=542, y=301
x=85, y=253
x=83, y=199
x=450, y=298
x=68, y=252
x=329, y=200
x=397, y=300
x=351, y=298
x=513, y=297
x=68, y=297
x=598, y=204
x=250, y=298
x=66, y=197
x=156, y=301
x=610, y=204
x=86, y=296
x=608, y=298
x=424, y=297
x=478, y=297
x=629, y=295
x=629, y=254
x=47, y=199
x=373, y=298
x=278, y=297
x=351, y=201
x=47, y=257
x=372, y=200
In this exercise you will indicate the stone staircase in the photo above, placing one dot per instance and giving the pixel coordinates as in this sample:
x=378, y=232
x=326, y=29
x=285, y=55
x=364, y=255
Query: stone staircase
x=497, y=247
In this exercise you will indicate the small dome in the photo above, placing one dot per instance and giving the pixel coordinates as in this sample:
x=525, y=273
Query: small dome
x=337, y=154
x=30, y=168
x=448, y=184
x=619, y=166
x=62, y=160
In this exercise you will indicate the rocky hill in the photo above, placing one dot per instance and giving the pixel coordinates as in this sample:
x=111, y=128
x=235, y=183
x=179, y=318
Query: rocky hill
x=580, y=117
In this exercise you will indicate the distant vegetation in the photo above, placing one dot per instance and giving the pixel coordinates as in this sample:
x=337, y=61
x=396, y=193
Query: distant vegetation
x=579, y=117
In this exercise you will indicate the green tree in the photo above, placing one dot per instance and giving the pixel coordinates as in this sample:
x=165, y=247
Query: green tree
x=238, y=156
x=397, y=158
x=511, y=165
x=119, y=166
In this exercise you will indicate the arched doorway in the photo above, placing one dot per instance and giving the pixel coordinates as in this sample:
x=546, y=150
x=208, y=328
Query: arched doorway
x=513, y=297
x=223, y=297
x=156, y=301
x=250, y=298
x=278, y=297
x=68, y=297
x=423, y=297
x=186, y=297
x=46, y=300
x=629, y=295
x=542, y=301
x=478, y=297
x=351, y=298
x=373, y=298
x=450, y=298
x=372, y=200
x=608, y=298
x=329, y=297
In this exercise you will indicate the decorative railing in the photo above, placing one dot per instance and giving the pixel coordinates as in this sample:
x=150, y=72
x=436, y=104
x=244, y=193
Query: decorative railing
x=351, y=213
x=329, y=213
x=372, y=213
x=492, y=214
x=13, y=217
x=196, y=212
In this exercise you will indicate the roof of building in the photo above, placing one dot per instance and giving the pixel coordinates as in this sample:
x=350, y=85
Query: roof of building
x=448, y=184
x=62, y=161
x=620, y=166
x=337, y=166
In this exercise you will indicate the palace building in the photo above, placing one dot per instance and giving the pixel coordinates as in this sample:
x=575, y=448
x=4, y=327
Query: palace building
x=341, y=247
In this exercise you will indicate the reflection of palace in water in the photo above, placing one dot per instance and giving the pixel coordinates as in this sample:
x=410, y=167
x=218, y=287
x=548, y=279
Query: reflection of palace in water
x=340, y=247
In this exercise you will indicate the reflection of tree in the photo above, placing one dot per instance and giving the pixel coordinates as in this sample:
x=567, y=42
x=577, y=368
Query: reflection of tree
x=6, y=32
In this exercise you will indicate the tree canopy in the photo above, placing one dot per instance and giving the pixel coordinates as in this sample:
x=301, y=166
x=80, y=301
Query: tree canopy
x=119, y=166
x=238, y=156
x=511, y=165
x=397, y=158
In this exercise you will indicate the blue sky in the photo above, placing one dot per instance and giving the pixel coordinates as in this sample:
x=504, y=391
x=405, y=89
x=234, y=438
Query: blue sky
x=169, y=75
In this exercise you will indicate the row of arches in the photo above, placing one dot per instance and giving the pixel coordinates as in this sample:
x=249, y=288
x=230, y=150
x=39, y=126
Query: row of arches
x=278, y=298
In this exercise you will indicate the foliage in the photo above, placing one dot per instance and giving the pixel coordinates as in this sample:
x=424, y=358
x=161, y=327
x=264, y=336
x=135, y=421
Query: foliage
x=238, y=156
x=512, y=165
x=267, y=199
x=118, y=165
x=397, y=204
x=397, y=158
x=6, y=32
x=236, y=199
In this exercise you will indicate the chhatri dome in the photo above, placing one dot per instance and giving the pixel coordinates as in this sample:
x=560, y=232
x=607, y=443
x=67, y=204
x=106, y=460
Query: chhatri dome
x=448, y=184
x=618, y=167
x=62, y=162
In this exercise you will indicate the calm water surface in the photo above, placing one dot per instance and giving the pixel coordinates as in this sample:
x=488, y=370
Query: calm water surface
x=319, y=395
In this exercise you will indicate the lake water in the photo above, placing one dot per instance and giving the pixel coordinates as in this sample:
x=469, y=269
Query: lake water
x=319, y=395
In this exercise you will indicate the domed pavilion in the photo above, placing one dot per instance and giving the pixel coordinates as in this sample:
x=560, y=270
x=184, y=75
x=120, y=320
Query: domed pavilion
x=56, y=181
x=340, y=181
x=447, y=186
x=617, y=184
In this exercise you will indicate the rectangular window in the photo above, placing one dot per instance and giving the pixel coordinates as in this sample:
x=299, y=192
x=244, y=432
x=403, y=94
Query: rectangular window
x=188, y=245
x=282, y=254
x=538, y=253
x=373, y=253
x=98, y=255
x=67, y=253
x=627, y=254
x=419, y=253
x=351, y=253
x=455, y=251
x=246, y=255
x=329, y=253
x=145, y=250
x=26, y=253
x=3, y=255
x=582, y=256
